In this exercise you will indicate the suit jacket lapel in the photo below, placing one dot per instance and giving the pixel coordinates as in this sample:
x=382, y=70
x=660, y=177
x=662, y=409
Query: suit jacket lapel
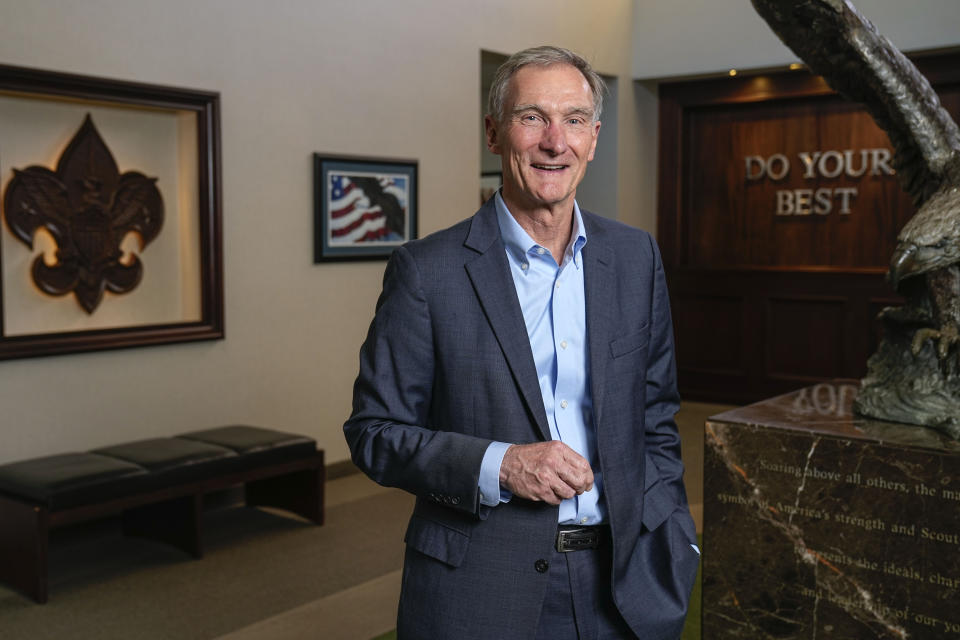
x=490, y=274
x=600, y=291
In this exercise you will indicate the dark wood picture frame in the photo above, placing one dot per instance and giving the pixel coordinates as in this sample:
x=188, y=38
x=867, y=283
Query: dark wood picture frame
x=490, y=182
x=34, y=83
x=378, y=212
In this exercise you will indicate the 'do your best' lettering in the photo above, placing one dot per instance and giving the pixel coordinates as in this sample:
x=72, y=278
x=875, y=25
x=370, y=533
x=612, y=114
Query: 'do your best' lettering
x=819, y=164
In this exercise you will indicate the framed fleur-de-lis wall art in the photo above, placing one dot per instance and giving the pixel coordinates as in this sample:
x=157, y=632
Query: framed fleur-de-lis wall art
x=110, y=198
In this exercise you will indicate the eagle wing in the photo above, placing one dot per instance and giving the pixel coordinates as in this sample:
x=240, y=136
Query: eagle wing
x=838, y=43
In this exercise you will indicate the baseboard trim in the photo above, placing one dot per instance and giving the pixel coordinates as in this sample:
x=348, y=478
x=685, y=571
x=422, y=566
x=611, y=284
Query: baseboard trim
x=341, y=469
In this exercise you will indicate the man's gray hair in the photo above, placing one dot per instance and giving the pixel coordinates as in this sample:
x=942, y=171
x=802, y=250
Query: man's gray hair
x=543, y=57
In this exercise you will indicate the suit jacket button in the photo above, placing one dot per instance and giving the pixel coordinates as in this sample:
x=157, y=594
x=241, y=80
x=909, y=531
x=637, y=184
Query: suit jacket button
x=456, y=500
x=541, y=565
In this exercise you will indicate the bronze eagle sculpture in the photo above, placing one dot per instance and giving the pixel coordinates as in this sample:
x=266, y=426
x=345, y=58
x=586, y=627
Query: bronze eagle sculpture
x=914, y=376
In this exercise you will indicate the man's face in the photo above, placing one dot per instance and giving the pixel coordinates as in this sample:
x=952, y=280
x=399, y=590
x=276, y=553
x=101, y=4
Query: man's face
x=547, y=135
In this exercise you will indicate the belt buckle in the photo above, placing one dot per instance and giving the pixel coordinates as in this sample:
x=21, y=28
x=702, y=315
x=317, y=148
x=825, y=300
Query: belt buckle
x=577, y=539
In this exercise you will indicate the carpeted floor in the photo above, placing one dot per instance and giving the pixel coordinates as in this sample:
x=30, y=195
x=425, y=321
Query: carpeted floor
x=257, y=565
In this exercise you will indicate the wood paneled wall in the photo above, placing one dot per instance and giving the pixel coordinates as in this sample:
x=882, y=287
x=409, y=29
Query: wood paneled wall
x=778, y=213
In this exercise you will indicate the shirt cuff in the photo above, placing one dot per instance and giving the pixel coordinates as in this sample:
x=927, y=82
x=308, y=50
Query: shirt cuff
x=490, y=492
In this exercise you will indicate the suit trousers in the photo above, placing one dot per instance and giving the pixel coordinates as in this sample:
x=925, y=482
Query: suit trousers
x=579, y=603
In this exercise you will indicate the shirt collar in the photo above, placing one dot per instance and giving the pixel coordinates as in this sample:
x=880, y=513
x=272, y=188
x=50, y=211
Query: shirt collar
x=518, y=242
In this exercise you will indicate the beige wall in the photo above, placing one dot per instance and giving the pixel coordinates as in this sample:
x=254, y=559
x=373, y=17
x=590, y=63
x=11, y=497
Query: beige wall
x=370, y=77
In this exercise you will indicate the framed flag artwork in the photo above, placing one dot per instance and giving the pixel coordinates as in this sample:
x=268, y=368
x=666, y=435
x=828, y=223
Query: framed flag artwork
x=364, y=208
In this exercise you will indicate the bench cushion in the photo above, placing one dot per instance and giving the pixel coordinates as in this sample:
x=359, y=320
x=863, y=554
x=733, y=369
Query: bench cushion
x=68, y=479
x=171, y=459
x=77, y=479
x=254, y=445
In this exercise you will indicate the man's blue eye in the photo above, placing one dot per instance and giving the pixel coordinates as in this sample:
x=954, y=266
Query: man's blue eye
x=531, y=119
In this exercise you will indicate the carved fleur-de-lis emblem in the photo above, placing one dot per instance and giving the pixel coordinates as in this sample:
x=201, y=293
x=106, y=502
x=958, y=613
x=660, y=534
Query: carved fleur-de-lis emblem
x=88, y=207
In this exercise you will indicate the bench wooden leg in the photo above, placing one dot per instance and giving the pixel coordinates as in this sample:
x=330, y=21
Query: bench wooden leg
x=300, y=492
x=24, y=536
x=176, y=522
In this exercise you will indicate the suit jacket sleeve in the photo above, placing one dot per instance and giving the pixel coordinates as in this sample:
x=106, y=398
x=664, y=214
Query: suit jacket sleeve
x=389, y=432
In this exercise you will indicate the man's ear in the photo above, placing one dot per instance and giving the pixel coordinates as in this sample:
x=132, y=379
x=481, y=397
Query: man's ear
x=493, y=136
x=593, y=145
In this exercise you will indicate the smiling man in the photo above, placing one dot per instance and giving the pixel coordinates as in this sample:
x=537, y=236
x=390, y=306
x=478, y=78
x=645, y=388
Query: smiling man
x=518, y=378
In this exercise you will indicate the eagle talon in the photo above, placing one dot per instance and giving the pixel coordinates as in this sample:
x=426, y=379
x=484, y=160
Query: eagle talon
x=946, y=337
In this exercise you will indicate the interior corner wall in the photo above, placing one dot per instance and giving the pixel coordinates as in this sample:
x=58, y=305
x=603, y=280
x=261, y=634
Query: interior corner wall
x=691, y=37
x=371, y=78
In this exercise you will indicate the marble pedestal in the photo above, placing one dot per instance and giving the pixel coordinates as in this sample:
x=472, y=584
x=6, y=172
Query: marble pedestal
x=820, y=524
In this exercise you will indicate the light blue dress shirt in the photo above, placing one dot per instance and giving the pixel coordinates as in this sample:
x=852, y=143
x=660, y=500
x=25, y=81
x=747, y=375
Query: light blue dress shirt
x=554, y=311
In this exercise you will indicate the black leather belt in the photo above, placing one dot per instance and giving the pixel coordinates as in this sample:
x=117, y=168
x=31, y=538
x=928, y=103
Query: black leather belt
x=577, y=538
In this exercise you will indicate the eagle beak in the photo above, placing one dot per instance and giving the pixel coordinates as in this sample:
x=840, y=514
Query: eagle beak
x=902, y=263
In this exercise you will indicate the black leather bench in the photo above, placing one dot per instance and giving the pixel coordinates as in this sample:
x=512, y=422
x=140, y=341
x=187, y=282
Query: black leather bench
x=157, y=485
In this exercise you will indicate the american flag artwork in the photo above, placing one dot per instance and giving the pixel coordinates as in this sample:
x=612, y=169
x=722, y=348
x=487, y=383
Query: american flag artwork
x=364, y=208
x=367, y=209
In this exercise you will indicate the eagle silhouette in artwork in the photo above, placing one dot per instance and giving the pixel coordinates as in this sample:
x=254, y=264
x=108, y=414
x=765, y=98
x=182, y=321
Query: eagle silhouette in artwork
x=394, y=213
x=838, y=43
x=88, y=208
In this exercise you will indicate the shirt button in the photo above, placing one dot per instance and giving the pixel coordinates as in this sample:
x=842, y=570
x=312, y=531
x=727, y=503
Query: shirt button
x=524, y=266
x=556, y=286
x=563, y=344
x=563, y=404
x=541, y=565
x=583, y=521
x=541, y=250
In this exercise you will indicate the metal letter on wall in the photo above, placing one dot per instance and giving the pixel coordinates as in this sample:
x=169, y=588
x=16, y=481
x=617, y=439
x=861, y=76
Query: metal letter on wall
x=88, y=207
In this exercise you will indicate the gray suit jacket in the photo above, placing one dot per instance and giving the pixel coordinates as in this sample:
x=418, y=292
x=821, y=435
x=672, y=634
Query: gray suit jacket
x=447, y=367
